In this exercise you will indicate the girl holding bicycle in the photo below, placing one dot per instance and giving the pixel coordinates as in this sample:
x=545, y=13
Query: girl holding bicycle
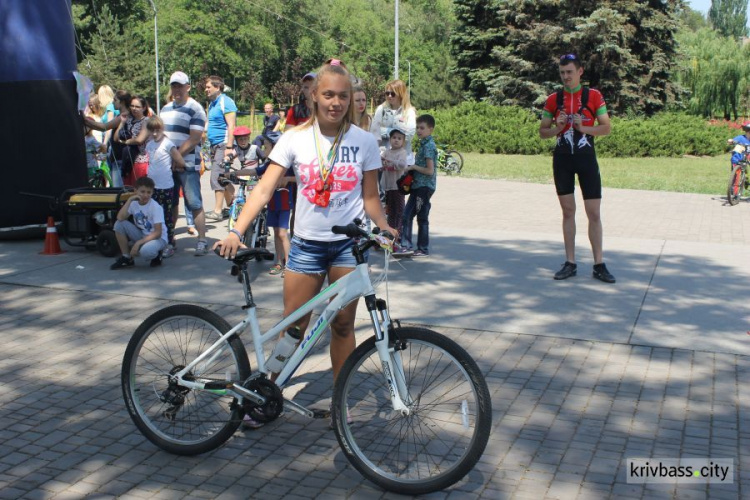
x=336, y=167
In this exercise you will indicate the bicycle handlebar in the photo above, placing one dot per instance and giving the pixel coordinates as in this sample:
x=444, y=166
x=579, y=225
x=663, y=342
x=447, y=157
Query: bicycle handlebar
x=372, y=239
x=351, y=230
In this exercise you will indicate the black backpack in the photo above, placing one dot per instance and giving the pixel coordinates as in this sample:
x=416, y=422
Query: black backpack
x=584, y=100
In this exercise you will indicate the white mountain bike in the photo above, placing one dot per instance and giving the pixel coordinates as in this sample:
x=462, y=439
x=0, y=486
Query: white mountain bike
x=411, y=409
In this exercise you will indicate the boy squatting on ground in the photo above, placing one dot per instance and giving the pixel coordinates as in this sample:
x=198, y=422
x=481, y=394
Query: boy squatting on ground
x=147, y=233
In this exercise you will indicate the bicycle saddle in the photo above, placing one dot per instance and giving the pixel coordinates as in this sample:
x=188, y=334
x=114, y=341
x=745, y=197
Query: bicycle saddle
x=246, y=254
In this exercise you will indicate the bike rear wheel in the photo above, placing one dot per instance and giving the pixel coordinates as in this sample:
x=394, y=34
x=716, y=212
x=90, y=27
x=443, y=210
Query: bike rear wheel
x=736, y=186
x=442, y=438
x=175, y=418
x=262, y=232
x=98, y=180
x=454, y=161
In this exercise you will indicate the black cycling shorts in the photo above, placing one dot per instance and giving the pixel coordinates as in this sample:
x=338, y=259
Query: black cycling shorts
x=565, y=168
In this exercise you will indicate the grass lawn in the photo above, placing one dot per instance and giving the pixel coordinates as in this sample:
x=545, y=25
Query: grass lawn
x=705, y=175
x=685, y=175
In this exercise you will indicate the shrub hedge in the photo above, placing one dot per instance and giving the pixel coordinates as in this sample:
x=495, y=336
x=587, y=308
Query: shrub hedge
x=485, y=128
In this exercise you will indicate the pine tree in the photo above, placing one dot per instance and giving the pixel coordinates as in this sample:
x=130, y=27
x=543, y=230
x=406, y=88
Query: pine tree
x=507, y=50
x=729, y=17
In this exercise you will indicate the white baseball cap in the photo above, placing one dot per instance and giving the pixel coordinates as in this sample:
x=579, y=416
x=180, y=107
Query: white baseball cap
x=179, y=77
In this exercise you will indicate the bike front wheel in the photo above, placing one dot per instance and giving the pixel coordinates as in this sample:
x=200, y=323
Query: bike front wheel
x=173, y=417
x=736, y=186
x=449, y=422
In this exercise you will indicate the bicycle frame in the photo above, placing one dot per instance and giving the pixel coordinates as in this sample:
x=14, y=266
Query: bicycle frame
x=340, y=293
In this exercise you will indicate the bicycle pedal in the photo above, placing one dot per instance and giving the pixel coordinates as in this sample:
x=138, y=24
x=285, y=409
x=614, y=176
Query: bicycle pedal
x=321, y=413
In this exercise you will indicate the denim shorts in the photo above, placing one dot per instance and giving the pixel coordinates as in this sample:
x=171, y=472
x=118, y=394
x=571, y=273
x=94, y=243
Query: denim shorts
x=316, y=257
x=190, y=181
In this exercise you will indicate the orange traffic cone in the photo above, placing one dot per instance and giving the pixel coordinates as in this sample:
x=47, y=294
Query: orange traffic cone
x=51, y=241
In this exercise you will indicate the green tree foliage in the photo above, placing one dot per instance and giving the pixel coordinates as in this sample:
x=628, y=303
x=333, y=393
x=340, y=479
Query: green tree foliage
x=506, y=49
x=120, y=57
x=729, y=17
x=693, y=20
x=266, y=47
x=485, y=128
x=715, y=69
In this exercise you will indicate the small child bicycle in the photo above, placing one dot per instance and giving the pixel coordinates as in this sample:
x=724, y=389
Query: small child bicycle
x=449, y=160
x=411, y=409
x=257, y=233
x=738, y=181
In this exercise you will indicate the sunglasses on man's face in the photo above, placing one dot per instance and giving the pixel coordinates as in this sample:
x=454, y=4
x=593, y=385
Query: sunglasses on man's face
x=568, y=57
x=390, y=94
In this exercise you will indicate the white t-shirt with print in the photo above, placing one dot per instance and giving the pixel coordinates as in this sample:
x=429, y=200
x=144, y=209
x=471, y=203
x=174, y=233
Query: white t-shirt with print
x=358, y=153
x=145, y=217
x=160, y=163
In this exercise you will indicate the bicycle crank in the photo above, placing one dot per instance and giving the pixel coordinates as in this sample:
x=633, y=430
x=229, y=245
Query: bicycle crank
x=274, y=405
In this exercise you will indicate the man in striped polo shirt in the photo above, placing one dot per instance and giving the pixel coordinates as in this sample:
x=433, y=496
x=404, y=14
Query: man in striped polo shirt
x=184, y=123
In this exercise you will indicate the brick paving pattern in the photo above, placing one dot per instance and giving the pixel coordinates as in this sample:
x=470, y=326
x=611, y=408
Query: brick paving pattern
x=567, y=413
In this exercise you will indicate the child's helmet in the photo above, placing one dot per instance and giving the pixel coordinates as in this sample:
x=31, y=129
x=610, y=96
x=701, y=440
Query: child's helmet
x=746, y=126
x=242, y=131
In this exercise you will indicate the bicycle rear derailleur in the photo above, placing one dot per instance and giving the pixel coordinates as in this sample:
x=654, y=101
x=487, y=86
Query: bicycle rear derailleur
x=173, y=395
x=274, y=405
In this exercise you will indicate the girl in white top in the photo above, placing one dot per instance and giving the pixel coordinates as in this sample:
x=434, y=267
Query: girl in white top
x=163, y=159
x=344, y=189
x=395, y=112
x=163, y=156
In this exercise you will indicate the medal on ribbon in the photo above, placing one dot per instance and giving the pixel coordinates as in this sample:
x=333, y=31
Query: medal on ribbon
x=324, y=184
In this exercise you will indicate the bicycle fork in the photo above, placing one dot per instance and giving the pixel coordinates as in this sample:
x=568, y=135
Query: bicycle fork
x=393, y=368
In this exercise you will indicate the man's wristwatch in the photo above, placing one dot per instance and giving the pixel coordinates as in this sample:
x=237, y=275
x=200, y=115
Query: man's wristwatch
x=237, y=233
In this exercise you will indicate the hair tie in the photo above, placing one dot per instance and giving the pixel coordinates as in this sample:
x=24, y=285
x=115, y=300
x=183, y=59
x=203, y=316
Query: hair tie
x=335, y=62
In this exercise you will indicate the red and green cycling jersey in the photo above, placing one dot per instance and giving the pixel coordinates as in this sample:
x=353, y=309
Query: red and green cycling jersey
x=570, y=141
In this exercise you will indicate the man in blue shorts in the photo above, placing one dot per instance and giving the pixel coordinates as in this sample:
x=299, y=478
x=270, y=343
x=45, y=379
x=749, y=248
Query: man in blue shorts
x=184, y=123
x=575, y=117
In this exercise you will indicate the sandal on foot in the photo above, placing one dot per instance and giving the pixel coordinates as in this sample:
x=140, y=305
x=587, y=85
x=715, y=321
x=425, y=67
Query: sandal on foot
x=277, y=269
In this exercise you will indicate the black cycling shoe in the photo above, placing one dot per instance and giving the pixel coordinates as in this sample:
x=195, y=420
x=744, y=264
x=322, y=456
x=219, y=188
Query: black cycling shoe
x=568, y=270
x=156, y=261
x=602, y=274
x=121, y=262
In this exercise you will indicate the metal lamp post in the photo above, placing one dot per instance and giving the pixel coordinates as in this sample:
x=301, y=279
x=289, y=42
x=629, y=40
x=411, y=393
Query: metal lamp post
x=156, y=53
x=395, y=63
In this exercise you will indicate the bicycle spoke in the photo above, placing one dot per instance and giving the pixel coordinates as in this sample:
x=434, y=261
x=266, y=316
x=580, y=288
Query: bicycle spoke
x=175, y=417
x=447, y=425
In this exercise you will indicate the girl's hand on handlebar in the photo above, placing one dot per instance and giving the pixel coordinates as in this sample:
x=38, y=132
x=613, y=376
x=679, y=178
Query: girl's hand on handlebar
x=228, y=246
x=392, y=233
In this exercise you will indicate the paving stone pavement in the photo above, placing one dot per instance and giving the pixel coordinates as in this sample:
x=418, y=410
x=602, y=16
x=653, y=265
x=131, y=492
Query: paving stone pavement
x=567, y=414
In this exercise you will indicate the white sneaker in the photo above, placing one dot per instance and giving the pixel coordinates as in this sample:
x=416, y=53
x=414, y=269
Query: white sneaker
x=167, y=252
x=201, y=248
x=399, y=251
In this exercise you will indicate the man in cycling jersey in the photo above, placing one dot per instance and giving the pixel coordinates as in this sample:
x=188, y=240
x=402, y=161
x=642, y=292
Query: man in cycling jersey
x=300, y=112
x=575, y=124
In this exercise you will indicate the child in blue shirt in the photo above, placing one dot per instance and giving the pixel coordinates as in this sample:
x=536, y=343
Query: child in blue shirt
x=422, y=189
x=741, y=140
